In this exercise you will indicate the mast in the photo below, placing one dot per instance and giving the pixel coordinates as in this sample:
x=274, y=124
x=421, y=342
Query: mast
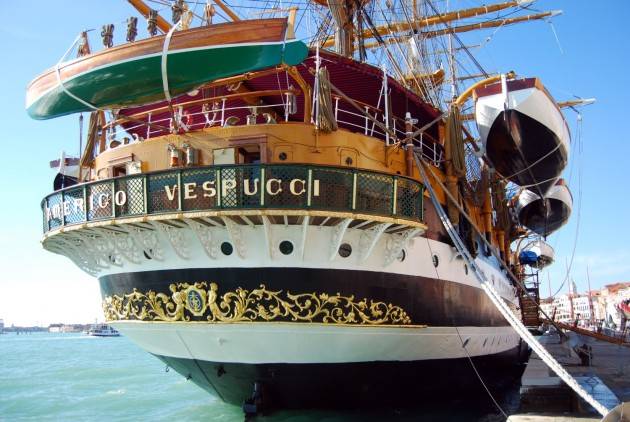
x=451, y=62
x=343, y=13
x=590, y=299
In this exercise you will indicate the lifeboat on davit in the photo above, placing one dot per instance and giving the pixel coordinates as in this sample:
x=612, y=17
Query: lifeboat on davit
x=524, y=133
x=538, y=254
x=545, y=215
x=159, y=67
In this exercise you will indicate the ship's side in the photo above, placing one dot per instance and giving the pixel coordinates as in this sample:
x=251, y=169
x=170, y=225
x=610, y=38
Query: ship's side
x=268, y=235
x=312, y=280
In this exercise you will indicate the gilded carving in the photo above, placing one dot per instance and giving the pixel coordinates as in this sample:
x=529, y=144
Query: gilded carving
x=202, y=301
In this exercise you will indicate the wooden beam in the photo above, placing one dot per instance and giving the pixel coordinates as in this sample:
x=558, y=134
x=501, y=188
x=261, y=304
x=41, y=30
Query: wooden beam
x=141, y=7
x=306, y=91
x=491, y=24
x=437, y=19
x=576, y=103
x=468, y=28
x=227, y=10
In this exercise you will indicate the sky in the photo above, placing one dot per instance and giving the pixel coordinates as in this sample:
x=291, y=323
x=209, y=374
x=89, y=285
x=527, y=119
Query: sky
x=589, y=58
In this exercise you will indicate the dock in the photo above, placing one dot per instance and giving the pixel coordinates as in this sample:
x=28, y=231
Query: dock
x=606, y=376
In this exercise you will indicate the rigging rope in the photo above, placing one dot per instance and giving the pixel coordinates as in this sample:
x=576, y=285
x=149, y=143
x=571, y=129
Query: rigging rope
x=496, y=298
x=60, y=82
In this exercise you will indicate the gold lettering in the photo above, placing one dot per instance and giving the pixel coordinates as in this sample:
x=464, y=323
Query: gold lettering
x=103, y=200
x=247, y=189
x=120, y=198
x=170, y=194
x=226, y=185
x=78, y=205
x=292, y=187
x=209, y=190
x=66, y=208
x=189, y=189
x=269, y=189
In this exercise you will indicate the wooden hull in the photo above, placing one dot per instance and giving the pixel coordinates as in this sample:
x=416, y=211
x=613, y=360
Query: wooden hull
x=527, y=142
x=131, y=74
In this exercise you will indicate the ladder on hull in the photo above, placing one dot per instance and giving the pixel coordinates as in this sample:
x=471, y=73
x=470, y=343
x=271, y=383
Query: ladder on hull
x=529, y=302
x=496, y=298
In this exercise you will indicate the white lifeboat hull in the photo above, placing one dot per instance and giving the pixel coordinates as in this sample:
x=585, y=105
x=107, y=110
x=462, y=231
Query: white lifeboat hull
x=543, y=251
x=544, y=216
x=523, y=132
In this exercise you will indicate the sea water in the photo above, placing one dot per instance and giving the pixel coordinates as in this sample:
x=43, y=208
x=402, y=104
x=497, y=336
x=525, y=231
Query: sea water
x=75, y=377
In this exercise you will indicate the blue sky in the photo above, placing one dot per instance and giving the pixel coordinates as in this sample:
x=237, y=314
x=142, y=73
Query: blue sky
x=40, y=287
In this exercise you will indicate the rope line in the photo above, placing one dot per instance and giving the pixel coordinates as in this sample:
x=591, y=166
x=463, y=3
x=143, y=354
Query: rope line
x=60, y=82
x=498, y=301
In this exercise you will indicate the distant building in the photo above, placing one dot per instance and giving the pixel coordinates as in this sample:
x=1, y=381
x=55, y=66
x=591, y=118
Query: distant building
x=55, y=328
x=1, y=326
x=611, y=296
x=596, y=306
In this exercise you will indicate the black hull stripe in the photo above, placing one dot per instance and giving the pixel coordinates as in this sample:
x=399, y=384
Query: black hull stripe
x=342, y=385
x=538, y=140
x=427, y=301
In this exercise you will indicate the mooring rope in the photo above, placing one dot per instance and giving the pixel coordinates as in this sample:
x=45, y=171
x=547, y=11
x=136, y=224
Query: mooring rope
x=495, y=297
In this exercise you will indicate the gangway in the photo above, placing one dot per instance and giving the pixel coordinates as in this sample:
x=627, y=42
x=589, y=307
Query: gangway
x=491, y=292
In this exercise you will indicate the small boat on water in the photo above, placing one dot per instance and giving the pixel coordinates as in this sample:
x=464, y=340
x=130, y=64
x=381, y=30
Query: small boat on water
x=102, y=330
x=548, y=214
x=523, y=131
x=156, y=68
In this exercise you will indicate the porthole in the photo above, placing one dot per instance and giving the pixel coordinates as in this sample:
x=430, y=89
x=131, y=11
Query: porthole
x=402, y=255
x=282, y=156
x=436, y=261
x=227, y=248
x=345, y=250
x=286, y=247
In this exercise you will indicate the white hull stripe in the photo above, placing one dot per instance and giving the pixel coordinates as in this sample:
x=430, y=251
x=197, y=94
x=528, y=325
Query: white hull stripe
x=259, y=343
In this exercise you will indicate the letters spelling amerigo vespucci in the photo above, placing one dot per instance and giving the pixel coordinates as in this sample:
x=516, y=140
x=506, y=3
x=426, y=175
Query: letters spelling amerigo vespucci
x=96, y=201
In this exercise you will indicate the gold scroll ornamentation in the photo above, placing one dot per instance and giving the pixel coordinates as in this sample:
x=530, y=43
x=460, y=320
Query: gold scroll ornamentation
x=201, y=301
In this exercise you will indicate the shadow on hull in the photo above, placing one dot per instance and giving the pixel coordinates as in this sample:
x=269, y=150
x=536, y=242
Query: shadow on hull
x=525, y=151
x=548, y=214
x=354, y=385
